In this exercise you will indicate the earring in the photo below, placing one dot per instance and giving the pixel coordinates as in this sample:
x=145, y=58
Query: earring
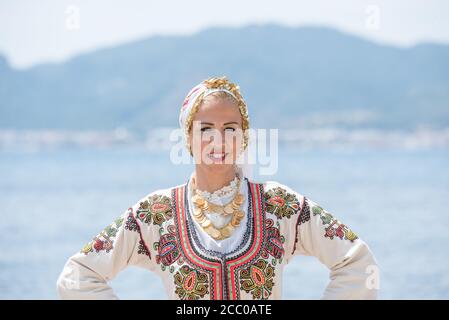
x=189, y=148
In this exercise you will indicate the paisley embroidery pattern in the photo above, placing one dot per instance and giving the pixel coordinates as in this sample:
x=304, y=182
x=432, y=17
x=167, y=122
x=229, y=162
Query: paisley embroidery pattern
x=191, y=284
x=274, y=245
x=167, y=248
x=156, y=208
x=257, y=279
x=333, y=227
x=281, y=203
x=105, y=240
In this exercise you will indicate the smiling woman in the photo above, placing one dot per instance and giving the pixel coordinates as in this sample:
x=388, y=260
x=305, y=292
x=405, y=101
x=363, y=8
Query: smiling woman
x=221, y=235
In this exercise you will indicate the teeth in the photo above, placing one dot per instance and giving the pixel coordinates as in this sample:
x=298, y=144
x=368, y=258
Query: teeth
x=217, y=155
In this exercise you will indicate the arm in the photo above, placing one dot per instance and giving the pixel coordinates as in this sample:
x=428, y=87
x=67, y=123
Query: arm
x=353, y=268
x=86, y=273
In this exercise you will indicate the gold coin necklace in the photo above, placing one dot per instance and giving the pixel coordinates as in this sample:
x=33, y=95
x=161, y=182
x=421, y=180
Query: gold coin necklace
x=231, y=208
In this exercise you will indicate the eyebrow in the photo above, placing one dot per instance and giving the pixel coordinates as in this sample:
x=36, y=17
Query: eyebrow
x=211, y=124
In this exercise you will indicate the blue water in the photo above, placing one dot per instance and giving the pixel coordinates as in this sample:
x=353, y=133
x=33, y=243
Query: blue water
x=52, y=202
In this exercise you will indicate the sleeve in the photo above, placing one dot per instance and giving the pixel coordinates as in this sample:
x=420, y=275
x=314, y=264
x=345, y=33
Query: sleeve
x=354, y=273
x=86, y=273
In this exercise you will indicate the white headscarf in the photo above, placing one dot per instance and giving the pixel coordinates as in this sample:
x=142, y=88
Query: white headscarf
x=191, y=98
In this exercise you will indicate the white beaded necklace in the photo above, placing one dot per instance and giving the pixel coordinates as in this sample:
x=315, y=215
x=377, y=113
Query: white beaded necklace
x=217, y=196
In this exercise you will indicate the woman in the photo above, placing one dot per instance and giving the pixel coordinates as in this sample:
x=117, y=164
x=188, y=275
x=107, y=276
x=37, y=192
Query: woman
x=220, y=235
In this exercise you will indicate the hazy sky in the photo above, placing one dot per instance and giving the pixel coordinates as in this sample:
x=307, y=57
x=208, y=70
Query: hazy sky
x=54, y=30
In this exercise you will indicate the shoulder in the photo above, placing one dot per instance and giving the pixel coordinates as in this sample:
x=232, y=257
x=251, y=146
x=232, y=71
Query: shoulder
x=272, y=186
x=280, y=199
x=155, y=207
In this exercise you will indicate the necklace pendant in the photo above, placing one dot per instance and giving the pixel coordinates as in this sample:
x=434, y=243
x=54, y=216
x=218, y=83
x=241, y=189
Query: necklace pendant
x=227, y=231
x=206, y=224
x=228, y=209
x=239, y=199
x=235, y=221
x=201, y=219
x=197, y=212
x=214, y=233
x=240, y=214
x=219, y=210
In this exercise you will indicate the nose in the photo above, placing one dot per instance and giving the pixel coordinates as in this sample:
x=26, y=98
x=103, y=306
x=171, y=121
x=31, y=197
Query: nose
x=220, y=141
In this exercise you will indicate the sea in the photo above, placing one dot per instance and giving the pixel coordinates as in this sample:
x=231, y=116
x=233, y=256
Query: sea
x=54, y=201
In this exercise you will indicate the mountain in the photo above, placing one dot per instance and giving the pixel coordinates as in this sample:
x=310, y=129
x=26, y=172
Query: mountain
x=289, y=77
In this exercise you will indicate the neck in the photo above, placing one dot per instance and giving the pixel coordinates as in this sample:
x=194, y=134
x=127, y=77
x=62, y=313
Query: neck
x=209, y=181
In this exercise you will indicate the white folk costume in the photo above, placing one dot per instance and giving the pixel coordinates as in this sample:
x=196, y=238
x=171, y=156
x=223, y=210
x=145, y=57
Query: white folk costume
x=159, y=233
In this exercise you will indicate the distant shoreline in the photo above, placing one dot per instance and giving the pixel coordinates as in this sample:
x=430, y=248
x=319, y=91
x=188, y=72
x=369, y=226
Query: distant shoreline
x=158, y=139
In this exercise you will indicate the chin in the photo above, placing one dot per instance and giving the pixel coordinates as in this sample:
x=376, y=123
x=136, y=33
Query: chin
x=220, y=166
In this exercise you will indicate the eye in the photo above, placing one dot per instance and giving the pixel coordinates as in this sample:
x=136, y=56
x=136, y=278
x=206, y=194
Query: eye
x=204, y=129
x=230, y=129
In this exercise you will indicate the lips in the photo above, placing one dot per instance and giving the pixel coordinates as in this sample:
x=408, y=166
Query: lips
x=217, y=157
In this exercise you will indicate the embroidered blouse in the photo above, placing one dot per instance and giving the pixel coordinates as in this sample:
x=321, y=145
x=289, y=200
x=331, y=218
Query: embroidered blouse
x=159, y=234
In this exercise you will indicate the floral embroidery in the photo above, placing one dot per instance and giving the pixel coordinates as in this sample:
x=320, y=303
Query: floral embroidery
x=275, y=242
x=168, y=249
x=105, y=240
x=258, y=279
x=191, y=284
x=156, y=208
x=304, y=214
x=131, y=223
x=281, y=203
x=333, y=226
x=142, y=249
